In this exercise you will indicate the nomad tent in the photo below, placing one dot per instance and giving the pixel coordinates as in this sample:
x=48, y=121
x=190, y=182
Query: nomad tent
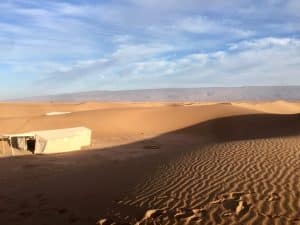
x=3, y=145
x=51, y=141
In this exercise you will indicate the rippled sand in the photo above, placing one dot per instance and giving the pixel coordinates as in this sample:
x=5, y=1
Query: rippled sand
x=241, y=182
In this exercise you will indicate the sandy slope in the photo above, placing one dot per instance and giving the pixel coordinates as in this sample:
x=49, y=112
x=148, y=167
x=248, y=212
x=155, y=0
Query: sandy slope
x=183, y=163
x=279, y=107
x=243, y=182
x=113, y=123
x=10, y=110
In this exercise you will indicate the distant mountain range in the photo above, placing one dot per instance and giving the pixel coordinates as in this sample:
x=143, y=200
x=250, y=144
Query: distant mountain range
x=253, y=93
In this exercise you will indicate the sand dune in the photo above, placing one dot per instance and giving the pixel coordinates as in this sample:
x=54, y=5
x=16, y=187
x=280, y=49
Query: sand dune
x=11, y=110
x=113, y=123
x=157, y=163
x=278, y=107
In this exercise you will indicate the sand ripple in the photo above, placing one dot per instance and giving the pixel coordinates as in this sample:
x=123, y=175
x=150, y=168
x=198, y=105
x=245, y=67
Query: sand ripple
x=242, y=182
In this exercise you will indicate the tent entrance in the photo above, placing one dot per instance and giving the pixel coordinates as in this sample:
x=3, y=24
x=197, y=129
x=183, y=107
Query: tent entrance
x=26, y=143
x=31, y=145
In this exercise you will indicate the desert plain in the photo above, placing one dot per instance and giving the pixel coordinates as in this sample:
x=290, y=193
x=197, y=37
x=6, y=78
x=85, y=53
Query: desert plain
x=156, y=163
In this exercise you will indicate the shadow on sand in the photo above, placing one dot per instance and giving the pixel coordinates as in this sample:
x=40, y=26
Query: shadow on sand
x=79, y=187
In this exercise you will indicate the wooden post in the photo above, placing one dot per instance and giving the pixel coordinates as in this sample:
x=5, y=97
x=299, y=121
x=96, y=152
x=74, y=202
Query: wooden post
x=3, y=147
x=11, y=147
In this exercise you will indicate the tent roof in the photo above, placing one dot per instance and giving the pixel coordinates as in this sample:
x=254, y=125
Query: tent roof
x=2, y=137
x=29, y=134
x=53, y=134
x=61, y=133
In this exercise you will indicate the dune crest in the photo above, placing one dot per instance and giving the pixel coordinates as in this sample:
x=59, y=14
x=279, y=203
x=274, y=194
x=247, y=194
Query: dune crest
x=277, y=107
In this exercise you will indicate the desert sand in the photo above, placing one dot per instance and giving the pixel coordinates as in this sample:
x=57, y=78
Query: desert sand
x=156, y=163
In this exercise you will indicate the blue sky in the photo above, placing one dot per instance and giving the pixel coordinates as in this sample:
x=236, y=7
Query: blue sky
x=50, y=47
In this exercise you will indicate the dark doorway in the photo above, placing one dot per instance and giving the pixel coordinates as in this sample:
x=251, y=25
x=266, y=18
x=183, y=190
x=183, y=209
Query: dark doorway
x=31, y=145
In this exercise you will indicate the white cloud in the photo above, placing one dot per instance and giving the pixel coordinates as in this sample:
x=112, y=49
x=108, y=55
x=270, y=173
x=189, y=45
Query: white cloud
x=122, y=38
x=255, y=64
x=11, y=28
x=114, y=43
x=189, y=5
x=265, y=43
x=132, y=52
x=203, y=25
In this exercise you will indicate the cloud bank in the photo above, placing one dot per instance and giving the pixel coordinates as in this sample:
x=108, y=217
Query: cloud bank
x=64, y=46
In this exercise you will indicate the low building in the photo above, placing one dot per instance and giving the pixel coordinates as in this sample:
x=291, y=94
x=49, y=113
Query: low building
x=51, y=141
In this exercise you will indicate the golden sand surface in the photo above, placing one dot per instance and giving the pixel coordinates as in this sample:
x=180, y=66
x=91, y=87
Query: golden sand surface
x=157, y=163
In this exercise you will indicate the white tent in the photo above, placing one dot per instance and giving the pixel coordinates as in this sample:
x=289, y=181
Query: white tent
x=52, y=141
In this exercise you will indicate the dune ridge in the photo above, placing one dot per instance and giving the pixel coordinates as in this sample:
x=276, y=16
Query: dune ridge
x=277, y=107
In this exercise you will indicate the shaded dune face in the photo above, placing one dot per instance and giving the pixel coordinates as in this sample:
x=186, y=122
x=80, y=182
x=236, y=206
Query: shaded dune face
x=240, y=169
x=252, y=127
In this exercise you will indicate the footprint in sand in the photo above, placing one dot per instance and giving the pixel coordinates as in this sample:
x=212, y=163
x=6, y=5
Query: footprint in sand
x=62, y=211
x=109, y=222
x=105, y=222
x=183, y=213
x=26, y=213
x=273, y=197
x=42, y=199
x=73, y=218
x=234, y=203
x=153, y=147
